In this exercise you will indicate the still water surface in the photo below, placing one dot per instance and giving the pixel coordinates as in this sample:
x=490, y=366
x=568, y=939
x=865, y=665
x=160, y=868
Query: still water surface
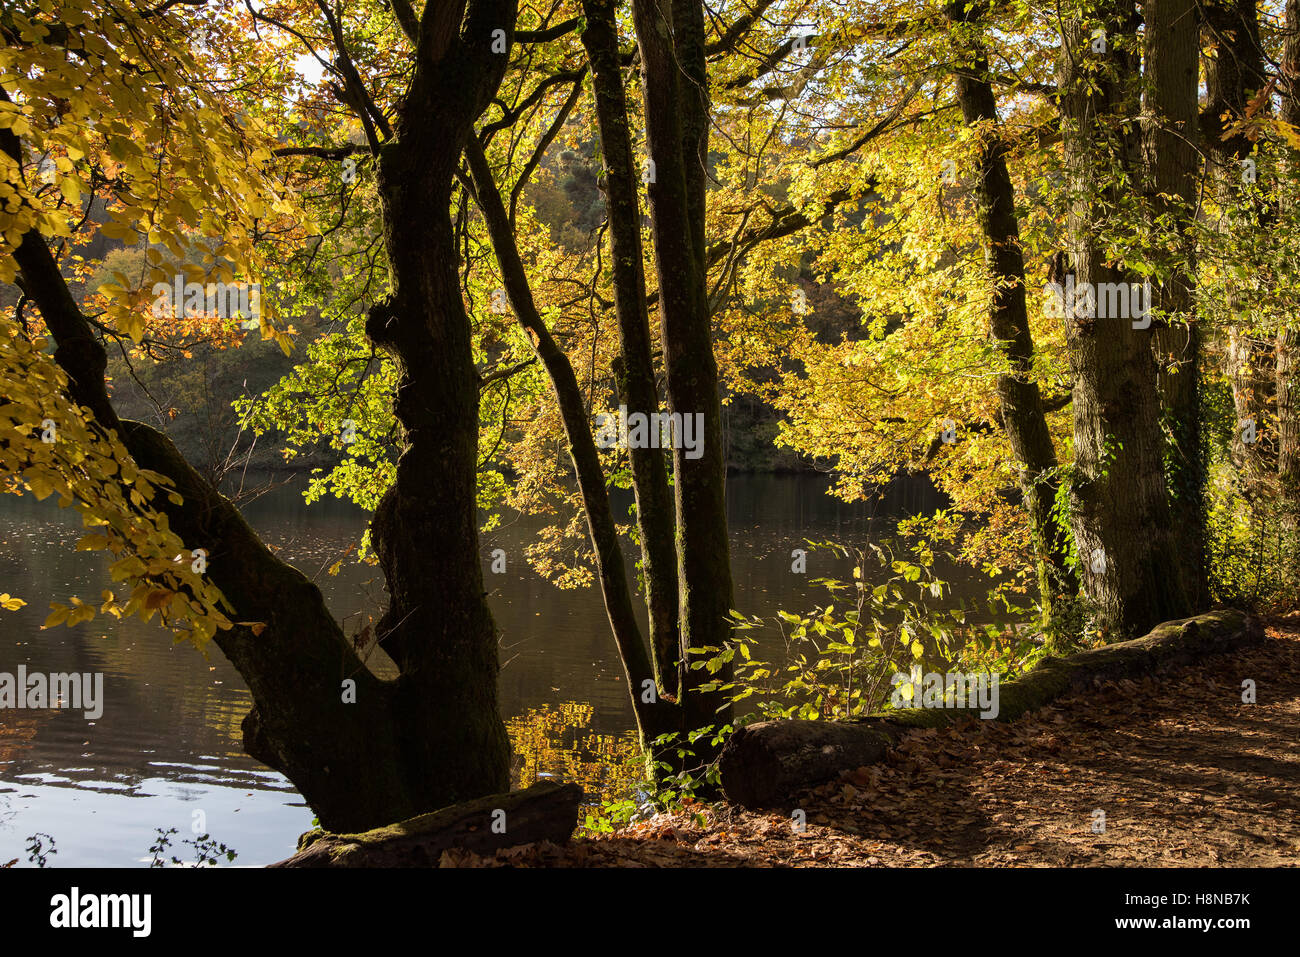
x=168, y=742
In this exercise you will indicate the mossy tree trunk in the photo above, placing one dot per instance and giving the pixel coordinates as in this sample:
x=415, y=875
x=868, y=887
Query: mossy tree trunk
x=1287, y=346
x=636, y=374
x=1119, y=504
x=674, y=79
x=1171, y=167
x=437, y=626
x=1021, y=403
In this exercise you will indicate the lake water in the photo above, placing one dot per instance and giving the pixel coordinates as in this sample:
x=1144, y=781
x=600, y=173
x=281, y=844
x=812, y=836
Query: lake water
x=166, y=752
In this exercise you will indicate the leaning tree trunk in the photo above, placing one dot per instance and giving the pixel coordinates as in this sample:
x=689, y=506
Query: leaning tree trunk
x=387, y=749
x=1119, y=506
x=654, y=713
x=342, y=757
x=1021, y=403
x=635, y=373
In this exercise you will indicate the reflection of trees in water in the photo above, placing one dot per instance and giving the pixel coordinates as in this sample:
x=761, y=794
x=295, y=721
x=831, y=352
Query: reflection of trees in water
x=557, y=741
x=16, y=730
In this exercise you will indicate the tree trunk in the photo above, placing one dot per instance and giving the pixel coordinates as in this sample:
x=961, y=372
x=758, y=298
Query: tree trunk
x=1171, y=165
x=676, y=102
x=437, y=627
x=433, y=736
x=1288, y=339
x=342, y=757
x=1288, y=421
x=1233, y=74
x=1119, y=506
x=652, y=713
x=636, y=376
x=1018, y=393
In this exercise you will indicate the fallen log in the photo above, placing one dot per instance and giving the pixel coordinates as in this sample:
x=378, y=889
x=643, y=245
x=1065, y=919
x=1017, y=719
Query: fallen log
x=766, y=765
x=543, y=812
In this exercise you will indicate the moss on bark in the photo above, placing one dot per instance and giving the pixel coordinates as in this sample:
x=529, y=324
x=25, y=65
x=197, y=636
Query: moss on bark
x=768, y=763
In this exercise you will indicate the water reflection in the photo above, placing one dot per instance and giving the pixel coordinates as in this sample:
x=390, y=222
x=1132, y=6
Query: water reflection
x=168, y=743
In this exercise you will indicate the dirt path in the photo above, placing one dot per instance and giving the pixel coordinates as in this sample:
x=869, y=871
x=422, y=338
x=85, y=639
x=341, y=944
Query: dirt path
x=1186, y=774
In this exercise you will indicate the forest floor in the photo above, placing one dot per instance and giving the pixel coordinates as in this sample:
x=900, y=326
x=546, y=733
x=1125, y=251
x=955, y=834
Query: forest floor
x=1186, y=774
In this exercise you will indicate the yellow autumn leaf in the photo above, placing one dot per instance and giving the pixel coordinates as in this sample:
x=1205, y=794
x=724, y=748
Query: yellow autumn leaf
x=70, y=187
x=92, y=542
x=79, y=614
x=58, y=616
x=158, y=598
